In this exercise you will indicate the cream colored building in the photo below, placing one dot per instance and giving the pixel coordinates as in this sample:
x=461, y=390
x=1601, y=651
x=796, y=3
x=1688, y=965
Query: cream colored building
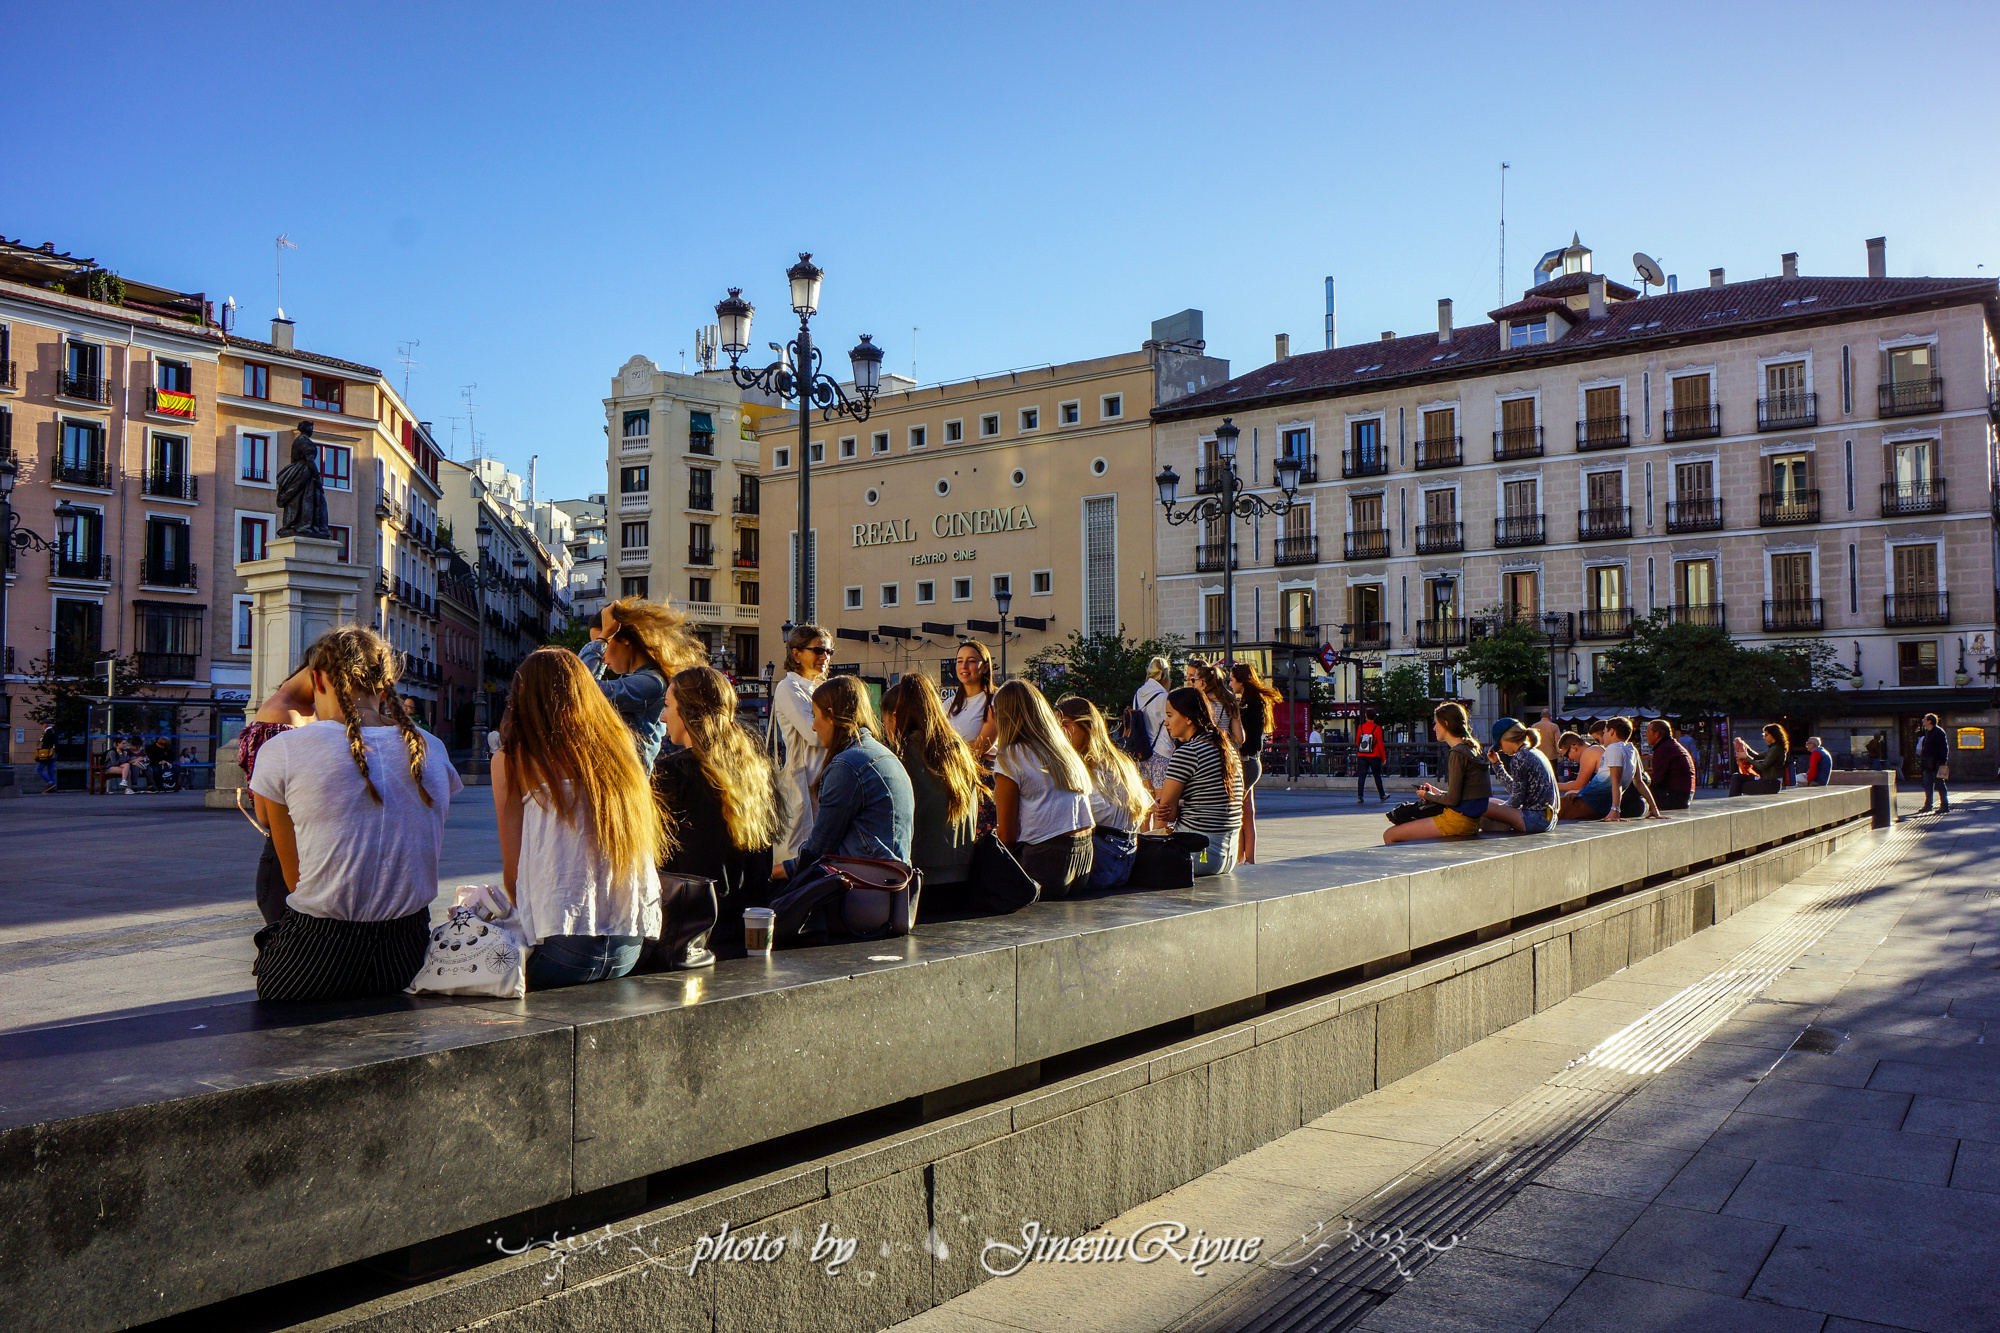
x=1039, y=481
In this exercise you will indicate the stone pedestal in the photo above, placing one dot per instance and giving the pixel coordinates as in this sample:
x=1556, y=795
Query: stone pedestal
x=301, y=592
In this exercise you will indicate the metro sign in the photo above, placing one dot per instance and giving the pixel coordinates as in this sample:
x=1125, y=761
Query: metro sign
x=1329, y=657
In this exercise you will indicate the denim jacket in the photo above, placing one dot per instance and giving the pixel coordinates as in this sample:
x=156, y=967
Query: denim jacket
x=640, y=698
x=866, y=807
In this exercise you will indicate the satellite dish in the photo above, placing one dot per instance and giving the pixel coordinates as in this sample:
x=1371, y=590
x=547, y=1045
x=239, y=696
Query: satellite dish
x=1649, y=269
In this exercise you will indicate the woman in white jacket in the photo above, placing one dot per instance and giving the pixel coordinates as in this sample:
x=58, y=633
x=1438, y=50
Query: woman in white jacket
x=806, y=654
x=1151, y=699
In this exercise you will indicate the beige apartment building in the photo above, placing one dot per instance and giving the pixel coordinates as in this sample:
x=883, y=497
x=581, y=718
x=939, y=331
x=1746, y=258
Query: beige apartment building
x=1790, y=457
x=1035, y=481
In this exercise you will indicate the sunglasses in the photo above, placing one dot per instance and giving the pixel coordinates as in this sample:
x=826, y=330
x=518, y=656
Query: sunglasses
x=820, y=652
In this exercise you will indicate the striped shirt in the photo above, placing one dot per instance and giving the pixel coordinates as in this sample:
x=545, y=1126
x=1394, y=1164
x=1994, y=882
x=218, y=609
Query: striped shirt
x=1206, y=805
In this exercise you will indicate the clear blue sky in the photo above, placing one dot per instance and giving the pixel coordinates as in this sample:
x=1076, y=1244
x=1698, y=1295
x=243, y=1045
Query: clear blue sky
x=538, y=192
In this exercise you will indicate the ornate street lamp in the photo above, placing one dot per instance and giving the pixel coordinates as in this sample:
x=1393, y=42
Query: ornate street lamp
x=1003, y=599
x=796, y=375
x=14, y=537
x=1231, y=502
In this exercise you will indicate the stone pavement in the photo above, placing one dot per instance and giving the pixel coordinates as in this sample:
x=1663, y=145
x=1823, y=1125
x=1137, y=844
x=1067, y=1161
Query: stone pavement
x=1827, y=1160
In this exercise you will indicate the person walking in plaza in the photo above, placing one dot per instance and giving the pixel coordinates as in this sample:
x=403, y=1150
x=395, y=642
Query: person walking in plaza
x=971, y=708
x=1878, y=750
x=1819, y=764
x=1550, y=734
x=356, y=803
x=1041, y=792
x=580, y=828
x=1203, y=792
x=1767, y=769
x=1586, y=796
x=1118, y=796
x=643, y=643
x=1933, y=764
x=944, y=782
x=1257, y=701
x=1151, y=700
x=1629, y=788
x=1467, y=793
x=863, y=802
x=1532, y=803
x=720, y=797
x=806, y=655
x=1673, y=767
x=1370, y=750
x=45, y=759
x=290, y=706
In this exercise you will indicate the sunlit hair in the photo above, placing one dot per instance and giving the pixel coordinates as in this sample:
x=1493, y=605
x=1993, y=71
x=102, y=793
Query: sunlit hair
x=1658, y=727
x=734, y=764
x=1112, y=771
x=985, y=675
x=1214, y=687
x=1621, y=727
x=1569, y=740
x=359, y=664
x=658, y=631
x=1192, y=705
x=1525, y=737
x=1254, y=685
x=1776, y=735
x=845, y=700
x=1452, y=718
x=1159, y=669
x=915, y=728
x=568, y=747
x=795, y=646
x=1023, y=717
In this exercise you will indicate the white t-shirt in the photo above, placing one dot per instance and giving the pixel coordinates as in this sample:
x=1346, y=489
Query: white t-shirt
x=1047, y=811
x=1107, y=801
x=1151, y=699
x=968, y=720
x=564, y=885
x=358, y=861
x=1621, y=755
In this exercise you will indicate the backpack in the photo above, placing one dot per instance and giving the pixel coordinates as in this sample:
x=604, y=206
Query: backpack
x=1134, y=736
x=1368, y=741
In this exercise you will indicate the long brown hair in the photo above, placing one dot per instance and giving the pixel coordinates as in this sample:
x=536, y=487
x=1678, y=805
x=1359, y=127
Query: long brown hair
x=796, y=641
x=1192, y=704
x=1023, y=717
x=566, y=744
x=1111, y=769
x=1255, y=686
x=658, y=631
x=845, y=700
x=358, y=663
x=1214, y=687
x=734, y=765
x=1452, y=717
x=985, y=674
x=915, y=728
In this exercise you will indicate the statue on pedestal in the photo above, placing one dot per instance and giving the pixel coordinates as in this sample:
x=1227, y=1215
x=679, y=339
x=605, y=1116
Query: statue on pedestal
x=301, y=491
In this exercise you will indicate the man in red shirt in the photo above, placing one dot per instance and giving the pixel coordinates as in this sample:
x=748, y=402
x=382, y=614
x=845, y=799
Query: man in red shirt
x=1370, y=749
x=1673, y=767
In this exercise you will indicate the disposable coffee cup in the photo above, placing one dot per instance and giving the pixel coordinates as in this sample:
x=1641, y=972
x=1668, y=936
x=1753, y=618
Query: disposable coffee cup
x=758, y=923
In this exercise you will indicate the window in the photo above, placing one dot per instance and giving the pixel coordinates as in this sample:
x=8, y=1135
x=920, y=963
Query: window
x=781, y=458
x=990, y=424
x=698, y=589
x=880, y=442
x=83, y=367
x=1523, y=332
x=1694, y=582
x=1910, y=365
x=81, y=459
x=1214, y=617
x=633, y=587
x=1604, y=587
x=850, y=599
x=343, y=536
x=701, y=488
x=634, y=480
x=79, y=632
x=166, y=464
x=1295, y=610
x=1111, y=406
x=917, y=437
x=240, y=624
x=1913, y=463
x=82, y=555
x=701, y=542
x=817, y=451
x=1916, y=663
x=321, y=391
x=746, y=593
x=1069, y=414
x=253, y=531
x=1368, y=445
x=961, y=590
x=954, y=431
x=1606, y=491
x=1785, y=386
x=892, y=595
x=253, y=458
x=1041, y=582
x=1791, y=480
x=175, y=376
x=1031, y=418
x=1003, y=583
x=634, y=536
x=336, y=462
x=850, y=447
x=926, y=592
x=1518, y=499
x=256, y=380
x=169, y=555
x=638, y=425
x=1518, y=594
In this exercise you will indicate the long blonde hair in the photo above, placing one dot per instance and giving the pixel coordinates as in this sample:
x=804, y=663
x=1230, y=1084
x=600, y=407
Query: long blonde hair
x=915, y=728
x=1023, y=717
x=844, y=699
x=358, y=663
x=734, y=765
x=566, y=744
x=658, y=631
x=1111, y=769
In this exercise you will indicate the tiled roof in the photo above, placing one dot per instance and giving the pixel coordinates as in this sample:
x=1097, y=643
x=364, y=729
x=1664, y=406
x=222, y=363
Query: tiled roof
x=1576, y=284
x=1536, y=305
x=1701, y=315
x=273, y=350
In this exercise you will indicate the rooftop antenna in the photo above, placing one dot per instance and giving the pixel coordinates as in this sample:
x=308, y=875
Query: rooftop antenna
x=284, y=244
x=1650, y=272
x=406, y=353
x=471, y=435
x=1503, y=231
x=913, y=354
x=1330, y=327
x=532, y=460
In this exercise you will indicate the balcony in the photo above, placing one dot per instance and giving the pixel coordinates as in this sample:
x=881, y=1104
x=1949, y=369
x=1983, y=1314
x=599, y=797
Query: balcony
x=1916, y=608
x=1211, y=480
x=1300, y=636
x=166, y=666
x=83, y=388
x=1702, y=514
x=1786, y=508
x=1308, y=468
x=1521, y=442
x=1906, y=398
x=1692, y=423
x=173, y=485
x=1446, y=452
x=746, y=560
x=1603, y=433
x=702, y=500
x=82, y=472
x=1368, y=544
x=1709, y=614
x=1913, y=497
x=1596, y=525
x=1364, y=462
x=1794, y=614
x=165, y=574
x=1368, y=636
x=1438, y=538
x=1520, y=530
x=1295, y=550
x=1609, y=622
x=1443, y=632
x=1558, y=627
x=93, y=567
x=7, y=376
x=1788, y=411
x=170, y=403
x=700, y=442
x=701, y=555
x=744, y=504
x=1208, y=557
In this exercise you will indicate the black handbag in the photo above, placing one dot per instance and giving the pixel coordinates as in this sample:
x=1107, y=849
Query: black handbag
x=852, y=897
x=1409, y=811
x=688, y=912
x=1166, y=860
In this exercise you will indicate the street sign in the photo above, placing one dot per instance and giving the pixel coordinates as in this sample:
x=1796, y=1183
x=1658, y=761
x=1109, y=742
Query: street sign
x=1328, y=657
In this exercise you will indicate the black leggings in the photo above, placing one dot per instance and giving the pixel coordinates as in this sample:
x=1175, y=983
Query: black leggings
x=1061, y=865
x=271, y=890
x=304, y=957
x=1363, y=768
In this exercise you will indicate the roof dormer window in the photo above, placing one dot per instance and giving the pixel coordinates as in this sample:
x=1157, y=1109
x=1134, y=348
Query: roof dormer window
x=1521, y=333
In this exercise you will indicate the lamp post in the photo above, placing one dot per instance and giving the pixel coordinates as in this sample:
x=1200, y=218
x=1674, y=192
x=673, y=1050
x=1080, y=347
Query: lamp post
x=14, y=537
x=1003, y=598
x=797, y=375
x=481, y=716
x=1230, y=503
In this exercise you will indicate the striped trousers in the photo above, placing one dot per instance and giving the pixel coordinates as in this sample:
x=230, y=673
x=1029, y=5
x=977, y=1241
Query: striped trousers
x=302, y=957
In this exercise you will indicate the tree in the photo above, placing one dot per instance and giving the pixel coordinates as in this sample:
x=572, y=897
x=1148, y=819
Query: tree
x=1512, y=657
x=63, y=697
x=1400, y=696
x=1805, y=677
x=1105, y=668
x=573, y=635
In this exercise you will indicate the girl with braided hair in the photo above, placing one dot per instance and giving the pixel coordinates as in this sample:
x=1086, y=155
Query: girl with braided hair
x=355, y=801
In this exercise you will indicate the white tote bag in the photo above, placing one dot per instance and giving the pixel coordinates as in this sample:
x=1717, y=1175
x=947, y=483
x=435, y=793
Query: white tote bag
x=478, y=950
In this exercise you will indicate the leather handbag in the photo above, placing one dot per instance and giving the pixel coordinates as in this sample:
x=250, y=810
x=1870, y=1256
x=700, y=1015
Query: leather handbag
x=1166, y=860
x=688, y=914
x=997, y=884
x=853, y=897
x=1410, y=811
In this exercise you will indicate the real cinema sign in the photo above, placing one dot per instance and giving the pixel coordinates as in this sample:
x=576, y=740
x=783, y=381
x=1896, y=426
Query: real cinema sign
x=962, y=523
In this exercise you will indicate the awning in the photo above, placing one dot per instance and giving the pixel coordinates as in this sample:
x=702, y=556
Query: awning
x=701, y=423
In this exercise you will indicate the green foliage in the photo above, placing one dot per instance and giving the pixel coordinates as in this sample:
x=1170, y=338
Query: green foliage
x=1512, y=657
x=574, y=633
x=1104, y=668
x=63, y=697
x=1805, y=676
x=1698, y=671
x=1400, y=696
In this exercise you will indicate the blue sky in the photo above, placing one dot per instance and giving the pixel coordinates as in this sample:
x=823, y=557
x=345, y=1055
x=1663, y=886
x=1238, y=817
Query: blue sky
x=537, y=193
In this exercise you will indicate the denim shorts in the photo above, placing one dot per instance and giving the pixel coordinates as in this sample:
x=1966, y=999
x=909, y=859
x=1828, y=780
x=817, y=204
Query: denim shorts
x=1538, y=821
x=576, y=960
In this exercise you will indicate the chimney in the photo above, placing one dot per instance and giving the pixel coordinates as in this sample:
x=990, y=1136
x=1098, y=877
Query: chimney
x=1791, y=263
x=281, y=333
x=1388, y=335
x=1284, y=347
x=1597, y=296
x=1878, y=257
x=1715, y=277
x=1444, y=320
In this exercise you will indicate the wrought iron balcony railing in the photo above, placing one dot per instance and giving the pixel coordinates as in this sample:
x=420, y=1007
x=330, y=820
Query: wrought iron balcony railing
x=1699, y=613
x=1902, y=398
x=166, y=666
x=744, y=504
x=1701, y=514
x=1298, y=636
x=1604, y=524
x=701, y=499
x=93, y=567
x=1369, y=635
x=83, y=388
x=82, y=472
x=1210, y=480
x=1692, y=423
x=1606, y=622
x=1603, y=433
x=167, y=574
x=1784, y=508
x=1916, y=608
x=746, y=560
x=1790, y=614
x=1442, y=632
x=1913, y=497
x=1364, y=462
x=1308, y=468
x=173, y=485
x=1520, y=530
x=701, y=555
x=1788, y=411
x=1368, y=544
x=1208, y=557
x=1447, y=451
x=1520, y=442
x=1296, y=550
x=1438, y=538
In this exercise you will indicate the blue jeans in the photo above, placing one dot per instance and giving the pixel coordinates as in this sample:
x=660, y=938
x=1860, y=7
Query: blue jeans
x=1112, y=855
x=46, y=771
x=576, y=960
x=1932, y=780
